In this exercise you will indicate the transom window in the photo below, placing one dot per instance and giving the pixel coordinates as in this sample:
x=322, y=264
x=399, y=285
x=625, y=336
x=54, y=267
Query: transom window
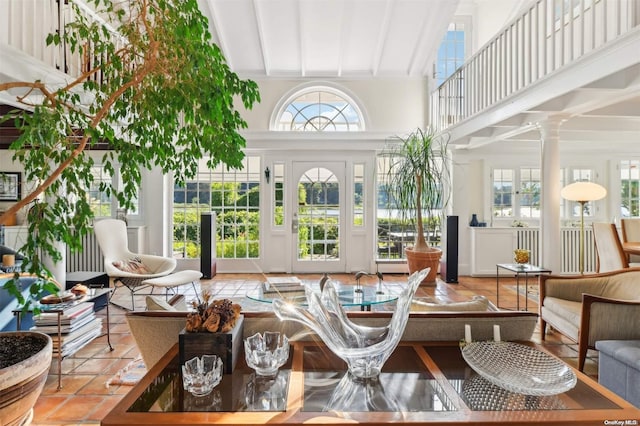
x=320, y=109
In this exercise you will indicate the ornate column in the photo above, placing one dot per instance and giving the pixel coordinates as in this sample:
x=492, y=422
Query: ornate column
x=550, y=233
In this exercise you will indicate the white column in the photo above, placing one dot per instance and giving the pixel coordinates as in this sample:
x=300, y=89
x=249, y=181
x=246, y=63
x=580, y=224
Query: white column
x=550, y=234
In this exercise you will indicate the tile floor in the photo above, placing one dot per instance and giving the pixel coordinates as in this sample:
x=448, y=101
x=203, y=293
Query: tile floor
x=85, y=399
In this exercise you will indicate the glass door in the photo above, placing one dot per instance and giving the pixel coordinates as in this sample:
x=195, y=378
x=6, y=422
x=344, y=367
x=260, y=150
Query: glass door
x=318, y=216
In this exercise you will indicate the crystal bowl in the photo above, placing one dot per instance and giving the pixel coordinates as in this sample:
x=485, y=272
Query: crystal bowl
x=201, y=374
x=267, y=352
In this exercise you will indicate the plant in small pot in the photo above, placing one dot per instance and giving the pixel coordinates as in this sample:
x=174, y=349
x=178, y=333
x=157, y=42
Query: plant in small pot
x=417, y=183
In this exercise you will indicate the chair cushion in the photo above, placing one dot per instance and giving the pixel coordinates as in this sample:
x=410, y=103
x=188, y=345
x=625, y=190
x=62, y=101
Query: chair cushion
x=478, y=303
x=133, y=265
x=158, y=304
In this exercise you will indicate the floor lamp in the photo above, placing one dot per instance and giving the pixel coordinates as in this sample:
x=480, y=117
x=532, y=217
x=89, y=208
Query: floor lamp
x=583, y=192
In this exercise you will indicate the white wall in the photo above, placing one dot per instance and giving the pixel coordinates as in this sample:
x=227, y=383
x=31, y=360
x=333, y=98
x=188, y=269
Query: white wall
x=391, y=105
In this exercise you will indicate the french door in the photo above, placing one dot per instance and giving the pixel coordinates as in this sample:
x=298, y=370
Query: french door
x=318, y=216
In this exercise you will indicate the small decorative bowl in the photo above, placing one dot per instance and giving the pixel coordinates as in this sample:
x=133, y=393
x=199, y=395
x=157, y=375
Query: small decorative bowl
x=521, y=256
x=267, y=352
x=201, y=374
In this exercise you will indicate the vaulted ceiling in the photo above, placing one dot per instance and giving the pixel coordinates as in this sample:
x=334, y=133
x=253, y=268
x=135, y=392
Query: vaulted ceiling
x=329, y=38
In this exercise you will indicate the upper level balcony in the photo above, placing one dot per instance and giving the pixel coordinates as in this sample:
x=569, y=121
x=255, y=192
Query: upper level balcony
x=574, y=59
x=24, y=27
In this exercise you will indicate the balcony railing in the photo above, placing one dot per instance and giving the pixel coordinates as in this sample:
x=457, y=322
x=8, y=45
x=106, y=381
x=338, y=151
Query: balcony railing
x=27, y=23
x=548, y=36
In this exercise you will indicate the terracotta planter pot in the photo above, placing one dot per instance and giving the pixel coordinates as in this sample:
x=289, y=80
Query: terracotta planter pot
x=22, y=383
x=418, y=260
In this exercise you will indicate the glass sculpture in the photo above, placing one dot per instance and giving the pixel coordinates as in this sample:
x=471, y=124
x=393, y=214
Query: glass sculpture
x=365, y=349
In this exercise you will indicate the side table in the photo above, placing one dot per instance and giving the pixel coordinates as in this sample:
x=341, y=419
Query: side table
x=519, y=269
x=59, y=309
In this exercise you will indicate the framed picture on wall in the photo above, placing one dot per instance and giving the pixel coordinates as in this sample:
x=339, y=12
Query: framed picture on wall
x=10, y=186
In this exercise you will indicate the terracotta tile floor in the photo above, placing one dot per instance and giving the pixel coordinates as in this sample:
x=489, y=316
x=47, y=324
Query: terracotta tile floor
x=85, y=399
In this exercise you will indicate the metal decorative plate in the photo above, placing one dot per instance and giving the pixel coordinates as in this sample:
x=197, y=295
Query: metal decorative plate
x=519, y=368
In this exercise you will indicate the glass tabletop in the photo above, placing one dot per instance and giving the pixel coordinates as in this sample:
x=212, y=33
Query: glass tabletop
x=349, y=294
x=523, y=268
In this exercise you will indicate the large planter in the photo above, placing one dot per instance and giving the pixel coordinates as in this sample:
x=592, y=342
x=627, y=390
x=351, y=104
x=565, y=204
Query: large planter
x=22, y=382
x=418, y=260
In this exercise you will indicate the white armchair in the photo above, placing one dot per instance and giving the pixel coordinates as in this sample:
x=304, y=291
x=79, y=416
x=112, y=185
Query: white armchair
x=123, y=267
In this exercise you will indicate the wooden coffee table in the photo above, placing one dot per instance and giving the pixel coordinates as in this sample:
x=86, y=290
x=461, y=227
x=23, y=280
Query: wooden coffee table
x=422, y=383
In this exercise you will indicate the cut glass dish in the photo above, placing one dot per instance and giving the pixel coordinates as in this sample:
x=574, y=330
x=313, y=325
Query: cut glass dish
x=519, y=368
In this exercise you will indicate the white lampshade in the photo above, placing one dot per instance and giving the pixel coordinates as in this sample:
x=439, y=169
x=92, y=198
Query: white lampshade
x=583, y=191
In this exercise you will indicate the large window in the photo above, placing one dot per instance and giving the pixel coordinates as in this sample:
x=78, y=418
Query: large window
x=234, y=195
x=102, y=201
x=629, y=188
x=571, y=209
x=452, y=52
x=516, y=193
x=395, y=233
x=100, y=198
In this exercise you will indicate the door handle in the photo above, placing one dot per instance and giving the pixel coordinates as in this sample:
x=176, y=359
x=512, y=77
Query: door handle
x=294, y=223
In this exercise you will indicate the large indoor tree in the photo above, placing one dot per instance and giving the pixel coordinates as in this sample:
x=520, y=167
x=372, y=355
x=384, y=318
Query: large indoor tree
x=155, y=91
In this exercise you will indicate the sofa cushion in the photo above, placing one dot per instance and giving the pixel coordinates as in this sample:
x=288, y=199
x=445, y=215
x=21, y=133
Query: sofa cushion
x=155, y=303
x=133, y=265
x=623, y=286
x=566, y=309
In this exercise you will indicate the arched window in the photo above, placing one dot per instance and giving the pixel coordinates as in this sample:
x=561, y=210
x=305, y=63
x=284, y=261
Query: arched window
x=319, y=109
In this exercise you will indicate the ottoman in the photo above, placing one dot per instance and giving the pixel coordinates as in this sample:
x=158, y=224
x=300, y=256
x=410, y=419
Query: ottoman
x=619, y=368
x=177, y=279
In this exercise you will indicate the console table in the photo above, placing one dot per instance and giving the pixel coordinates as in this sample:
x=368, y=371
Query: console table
x=421, y=383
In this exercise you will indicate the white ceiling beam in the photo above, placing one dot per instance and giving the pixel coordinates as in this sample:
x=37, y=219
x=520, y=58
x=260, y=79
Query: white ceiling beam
x=500, y=136
x=261, y=37
x=384, y=33
x=431, y=38
x=222, y=43
x=303, y=64
x=346, y=11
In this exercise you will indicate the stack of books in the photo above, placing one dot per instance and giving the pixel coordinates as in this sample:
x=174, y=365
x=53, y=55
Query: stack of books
x=278, y=285
x=78, y=326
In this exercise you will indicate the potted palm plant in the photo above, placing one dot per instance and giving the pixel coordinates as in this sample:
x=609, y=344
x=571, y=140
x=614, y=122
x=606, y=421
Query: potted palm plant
x=417, y=185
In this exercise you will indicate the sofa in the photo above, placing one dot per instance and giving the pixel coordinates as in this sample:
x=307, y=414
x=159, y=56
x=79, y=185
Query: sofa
x=8, y=302
x=588, y=308
x=156, y=329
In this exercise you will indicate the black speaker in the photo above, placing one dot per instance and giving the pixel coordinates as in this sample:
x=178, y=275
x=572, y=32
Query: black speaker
x=208, y=245
x=451, y=270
